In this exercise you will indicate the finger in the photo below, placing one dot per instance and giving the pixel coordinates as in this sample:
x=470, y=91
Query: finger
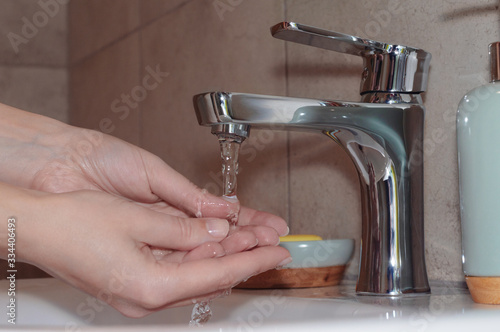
x=253, y=217
x=266, y=236
x=160, y=206
x=216, y=274
x=204, y=251
x=172, y=232
x=174, y=188
x=163, y=207
x=239, y=241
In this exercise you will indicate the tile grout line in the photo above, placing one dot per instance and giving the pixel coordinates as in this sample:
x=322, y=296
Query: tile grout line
x=288, y=147
x=140, y=73
x=138, y=29
x=32, y=65
x=67, y=68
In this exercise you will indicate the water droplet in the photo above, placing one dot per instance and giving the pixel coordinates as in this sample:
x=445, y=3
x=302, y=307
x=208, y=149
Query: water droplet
x=201, y=313
x=227, y=292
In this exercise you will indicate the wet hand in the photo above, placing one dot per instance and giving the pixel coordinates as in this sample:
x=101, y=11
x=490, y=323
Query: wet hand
x=108, y=247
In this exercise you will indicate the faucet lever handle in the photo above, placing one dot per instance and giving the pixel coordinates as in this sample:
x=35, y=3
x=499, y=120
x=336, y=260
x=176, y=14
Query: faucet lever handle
x=388, y=68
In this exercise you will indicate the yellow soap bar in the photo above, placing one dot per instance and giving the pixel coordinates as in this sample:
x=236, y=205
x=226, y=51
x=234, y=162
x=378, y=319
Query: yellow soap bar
x=301, y=237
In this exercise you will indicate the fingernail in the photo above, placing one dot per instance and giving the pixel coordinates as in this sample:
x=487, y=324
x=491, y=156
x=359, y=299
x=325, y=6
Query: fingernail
x=255, y=245
x=217, y=227
x=287, y=231
x=284, y=262
x=217, y=250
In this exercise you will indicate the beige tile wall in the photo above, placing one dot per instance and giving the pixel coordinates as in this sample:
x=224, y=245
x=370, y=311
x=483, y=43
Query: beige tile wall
x=304, y=178
x=94, y=24
x=33, y=34
x=98, y=85
x=185, y=48
x=33, y=53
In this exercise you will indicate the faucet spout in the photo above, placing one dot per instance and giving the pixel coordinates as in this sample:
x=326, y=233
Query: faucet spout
x=383, y=137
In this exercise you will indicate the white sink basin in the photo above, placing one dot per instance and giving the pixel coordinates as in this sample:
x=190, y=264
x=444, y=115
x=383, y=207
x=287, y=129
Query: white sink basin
x=48, y=304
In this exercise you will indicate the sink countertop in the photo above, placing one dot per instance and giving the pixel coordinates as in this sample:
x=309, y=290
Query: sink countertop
x=49, y=304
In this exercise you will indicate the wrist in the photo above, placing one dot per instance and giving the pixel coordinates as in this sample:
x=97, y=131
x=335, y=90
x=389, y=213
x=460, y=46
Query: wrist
x=18, y=207
x=28, y=142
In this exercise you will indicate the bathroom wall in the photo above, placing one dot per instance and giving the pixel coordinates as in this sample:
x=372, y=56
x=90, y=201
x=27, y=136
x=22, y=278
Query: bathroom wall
x=33, y=68
x=135, y=66
x=33, y=56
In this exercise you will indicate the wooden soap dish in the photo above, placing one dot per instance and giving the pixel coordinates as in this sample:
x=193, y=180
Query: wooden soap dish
x=296, y=278
x=484, y=290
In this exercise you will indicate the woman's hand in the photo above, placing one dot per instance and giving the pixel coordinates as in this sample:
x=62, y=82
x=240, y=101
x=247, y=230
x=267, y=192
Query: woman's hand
x=120, y=224
x=44, y=154
x=135, y=258
x=138, y=258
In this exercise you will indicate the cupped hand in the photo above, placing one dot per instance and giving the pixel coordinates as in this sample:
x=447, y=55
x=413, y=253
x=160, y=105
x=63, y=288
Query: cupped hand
x=105, y=207
x=136, y=259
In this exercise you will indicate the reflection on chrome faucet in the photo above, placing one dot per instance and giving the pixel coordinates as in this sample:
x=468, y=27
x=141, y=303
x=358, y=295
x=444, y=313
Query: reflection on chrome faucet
x=382, y=134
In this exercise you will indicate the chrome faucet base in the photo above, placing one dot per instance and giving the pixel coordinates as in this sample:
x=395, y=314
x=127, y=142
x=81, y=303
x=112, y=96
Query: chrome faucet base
x=384, y=140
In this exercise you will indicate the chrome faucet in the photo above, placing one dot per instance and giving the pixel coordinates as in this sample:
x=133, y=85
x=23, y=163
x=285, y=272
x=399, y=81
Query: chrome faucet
x=382, y=134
